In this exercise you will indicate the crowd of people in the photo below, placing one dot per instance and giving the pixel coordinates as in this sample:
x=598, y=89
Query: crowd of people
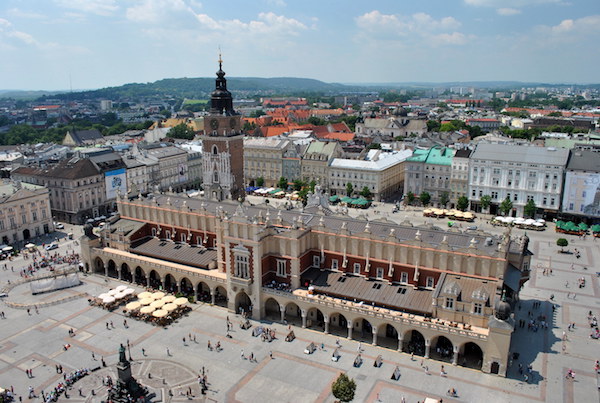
x=63, y=387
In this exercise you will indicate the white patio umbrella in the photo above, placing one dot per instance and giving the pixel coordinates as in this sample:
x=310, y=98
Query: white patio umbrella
x=108, y=300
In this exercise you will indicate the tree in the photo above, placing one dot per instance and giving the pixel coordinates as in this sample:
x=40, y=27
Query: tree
x=349, y=189
x=506, y=206
x=425, y=198
x=311, y=185
x=563, y=243
x=260, y=181
x=366, y=192
x=530, y=208
x=433, y=125
x=444, y=198
x=485, y=201
x=299, y=184
x=343, y=388
x=182, y=131
x=283, y=183
x=410, y=197
x=462, y=203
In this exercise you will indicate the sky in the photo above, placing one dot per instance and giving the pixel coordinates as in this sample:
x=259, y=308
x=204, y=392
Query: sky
x=88, y=44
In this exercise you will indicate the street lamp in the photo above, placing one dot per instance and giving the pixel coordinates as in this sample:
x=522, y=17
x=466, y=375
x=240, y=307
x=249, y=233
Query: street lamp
x=129, y=350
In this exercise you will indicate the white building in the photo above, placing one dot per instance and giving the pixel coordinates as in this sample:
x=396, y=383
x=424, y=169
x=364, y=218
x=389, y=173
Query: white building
x=381, y=172
x=520, y=173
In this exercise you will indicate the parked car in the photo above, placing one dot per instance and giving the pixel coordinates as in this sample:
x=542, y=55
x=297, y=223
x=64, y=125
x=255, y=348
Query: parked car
x=58, y=225
x=472, y=228
x=52, y=246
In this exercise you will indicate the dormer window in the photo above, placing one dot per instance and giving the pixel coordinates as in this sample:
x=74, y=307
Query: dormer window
x=449, y=303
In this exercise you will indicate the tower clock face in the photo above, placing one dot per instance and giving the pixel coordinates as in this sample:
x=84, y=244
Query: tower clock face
x=232, y=123
x=214, y=124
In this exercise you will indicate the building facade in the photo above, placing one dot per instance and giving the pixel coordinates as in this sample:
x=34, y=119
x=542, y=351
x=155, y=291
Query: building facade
x=381, y=172
x=521, y=173
x=77, y=188
x=263, y=158
x=24, y=212
x=459, y=180
x=581, y=196
x=316, y=160
x=414, y=290
x=397, y=126
x=429, y=171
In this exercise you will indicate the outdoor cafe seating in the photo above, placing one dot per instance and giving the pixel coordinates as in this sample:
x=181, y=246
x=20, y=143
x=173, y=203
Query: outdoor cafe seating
x=310, y=348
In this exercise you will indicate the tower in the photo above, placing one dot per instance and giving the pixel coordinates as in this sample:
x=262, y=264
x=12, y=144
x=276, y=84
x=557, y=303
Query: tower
x=222, y=145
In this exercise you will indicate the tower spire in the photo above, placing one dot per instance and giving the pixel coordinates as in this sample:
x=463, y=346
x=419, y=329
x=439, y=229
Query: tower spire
x=220, y=59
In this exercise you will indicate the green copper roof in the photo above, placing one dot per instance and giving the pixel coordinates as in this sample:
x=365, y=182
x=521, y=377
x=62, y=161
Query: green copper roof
x=435, y=155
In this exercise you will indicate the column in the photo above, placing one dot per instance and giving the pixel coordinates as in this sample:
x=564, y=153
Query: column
x=427, y=345
x=162, y=283
x=213, y=296
x=455, y=356
x=374, y=329
x=326, y=319
x=148, y=281
x=303, y=313
x=282, y=311
x=196, y=294
x=119, y=273
x=106, y=270
x=350, y=325
x=400, y=342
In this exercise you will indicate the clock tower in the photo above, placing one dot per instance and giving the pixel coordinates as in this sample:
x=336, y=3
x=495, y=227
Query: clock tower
x=222, y=145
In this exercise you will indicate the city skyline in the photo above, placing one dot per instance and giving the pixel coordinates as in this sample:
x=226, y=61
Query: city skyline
x=98, y=43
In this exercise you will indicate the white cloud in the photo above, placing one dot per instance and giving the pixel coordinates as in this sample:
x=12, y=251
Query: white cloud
x=266, y=23
x=505, y=12
x=420, y=25
x=23, y=37
x=15, y=12
x=580, y=28
x=153, y=11
x=98, y=7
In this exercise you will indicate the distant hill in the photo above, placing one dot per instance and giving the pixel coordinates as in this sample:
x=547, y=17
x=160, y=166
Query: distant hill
x=202, y=87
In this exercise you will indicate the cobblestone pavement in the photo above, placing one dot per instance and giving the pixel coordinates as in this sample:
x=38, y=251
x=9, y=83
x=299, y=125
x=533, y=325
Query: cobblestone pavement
x=36, y=341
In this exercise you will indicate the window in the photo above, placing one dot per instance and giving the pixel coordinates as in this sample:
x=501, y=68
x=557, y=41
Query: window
x=34, y=216
x=552, y=201
x=153, y=231
x=404, y=277
x=241, y=266
x=281, y=264
x=494, y=195
x=380, y=272
x=24, y=218
x=477, y=308
x=356, y=268
x=183, y=238
x=544, y=201
x=316, y=261
x=1, y=224
x=449, y=303
x=215, y=150
x=334, y=264
x=215, y=177
x=430, y=283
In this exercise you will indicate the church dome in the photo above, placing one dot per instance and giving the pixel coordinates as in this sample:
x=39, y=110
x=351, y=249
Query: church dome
x=503, y=309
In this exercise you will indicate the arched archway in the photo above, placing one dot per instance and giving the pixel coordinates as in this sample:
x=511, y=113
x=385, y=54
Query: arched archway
x=315, y=319
x=272, y=311
x=186, y=287
x=441, y=349
x=471, y=356
x=221, y=296
x=155, y=281
x=140, y=276
x=414, y=343
x=112, y=269
x=338, y=324
x=26, y=234
x=387, y=336
x=203, y=291
x=243, y=303
x=293, y=314
x=126, y=273
x=171, y=284
x=98, y=266
x=366, y=330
